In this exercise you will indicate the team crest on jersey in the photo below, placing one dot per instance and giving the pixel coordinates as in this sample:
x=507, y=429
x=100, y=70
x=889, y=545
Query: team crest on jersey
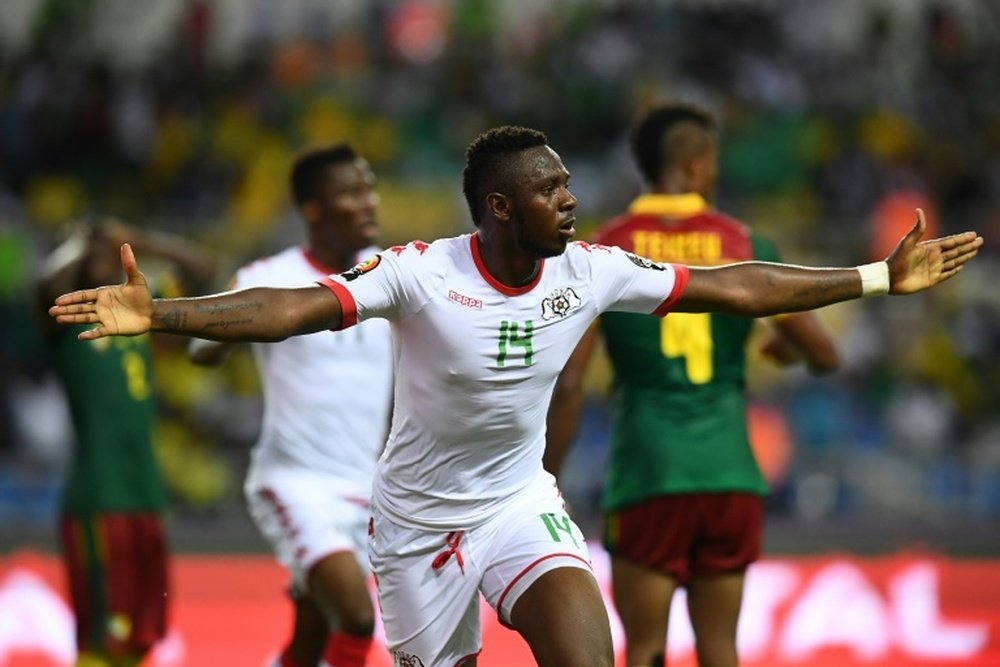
x=362, y=268
x=560, y=303
x=404, y=659
x=644, y=263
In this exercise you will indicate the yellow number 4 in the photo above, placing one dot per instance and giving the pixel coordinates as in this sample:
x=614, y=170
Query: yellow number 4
x=689, y=335
x=135, y=375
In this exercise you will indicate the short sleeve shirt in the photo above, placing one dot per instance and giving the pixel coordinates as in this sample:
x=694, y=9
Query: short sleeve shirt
x=477, y=362
x=327, y=396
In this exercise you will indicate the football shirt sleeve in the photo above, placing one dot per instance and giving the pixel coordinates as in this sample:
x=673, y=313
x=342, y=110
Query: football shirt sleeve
x=390, y=285
x=628, y=283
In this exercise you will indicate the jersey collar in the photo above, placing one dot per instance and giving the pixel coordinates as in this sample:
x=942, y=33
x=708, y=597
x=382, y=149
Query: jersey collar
x=496, y=284
x=675, y=206
x=316, y=264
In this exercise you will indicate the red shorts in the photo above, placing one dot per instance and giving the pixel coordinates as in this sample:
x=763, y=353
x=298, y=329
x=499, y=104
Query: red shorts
x=117, y=568
x=689, y=534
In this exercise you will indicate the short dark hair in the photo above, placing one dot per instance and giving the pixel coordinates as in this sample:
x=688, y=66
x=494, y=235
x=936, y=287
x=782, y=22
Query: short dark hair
x=488, y=161
x=309, y=167
x=651, y=147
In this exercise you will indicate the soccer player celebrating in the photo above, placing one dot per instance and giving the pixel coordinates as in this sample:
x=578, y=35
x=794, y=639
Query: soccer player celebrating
x=485, y=322
x=327, y=398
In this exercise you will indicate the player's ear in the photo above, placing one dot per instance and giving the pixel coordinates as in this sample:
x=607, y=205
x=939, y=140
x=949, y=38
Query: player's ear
x=499, y=205
x=310, y=211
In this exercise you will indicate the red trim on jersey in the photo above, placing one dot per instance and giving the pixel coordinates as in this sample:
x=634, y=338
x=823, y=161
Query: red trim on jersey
x=681, y=276
x=348, y=307
x=316, y=264
x=524, y=572
x=496, y=284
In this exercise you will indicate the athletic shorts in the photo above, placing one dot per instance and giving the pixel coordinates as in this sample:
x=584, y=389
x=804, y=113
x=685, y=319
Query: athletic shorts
x=429, y=581
x=305, y=518
x=690, y=534
x=117, y=570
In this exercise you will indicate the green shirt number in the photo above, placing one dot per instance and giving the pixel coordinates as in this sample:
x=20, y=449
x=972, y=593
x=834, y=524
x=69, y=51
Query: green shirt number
x=512, y=335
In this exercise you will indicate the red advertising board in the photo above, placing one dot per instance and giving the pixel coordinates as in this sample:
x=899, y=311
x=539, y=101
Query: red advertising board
x=825, y=611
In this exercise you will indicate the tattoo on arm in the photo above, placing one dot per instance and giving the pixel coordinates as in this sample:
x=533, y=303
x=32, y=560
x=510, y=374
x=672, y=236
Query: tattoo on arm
x=229, y=315
x=225, y=316
x=172, y=319
x=225, y=324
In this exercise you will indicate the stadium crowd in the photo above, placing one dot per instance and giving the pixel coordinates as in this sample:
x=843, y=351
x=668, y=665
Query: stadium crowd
x=835, y=124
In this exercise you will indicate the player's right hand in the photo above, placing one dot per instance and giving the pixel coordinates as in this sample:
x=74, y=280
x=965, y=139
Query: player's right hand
x=117, y=310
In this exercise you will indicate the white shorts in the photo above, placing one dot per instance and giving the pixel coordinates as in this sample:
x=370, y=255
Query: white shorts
x=429, y=582
x=305, y=518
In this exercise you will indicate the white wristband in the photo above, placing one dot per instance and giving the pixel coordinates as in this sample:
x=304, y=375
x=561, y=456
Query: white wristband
x=874, y=278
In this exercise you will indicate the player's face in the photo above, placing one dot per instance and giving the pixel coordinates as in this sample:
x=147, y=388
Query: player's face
x=345, y=210
x=542, y=214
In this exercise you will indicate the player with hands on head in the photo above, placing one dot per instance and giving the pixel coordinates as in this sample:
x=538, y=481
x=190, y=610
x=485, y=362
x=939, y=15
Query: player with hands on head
x=113, y=501
x=683, y=496
x=327, y=398
x=484, y=323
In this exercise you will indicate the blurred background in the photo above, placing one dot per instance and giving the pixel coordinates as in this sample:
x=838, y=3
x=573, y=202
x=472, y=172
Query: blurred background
x=837, y=120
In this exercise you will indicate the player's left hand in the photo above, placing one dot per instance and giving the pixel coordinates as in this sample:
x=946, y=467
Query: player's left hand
x=916, y=265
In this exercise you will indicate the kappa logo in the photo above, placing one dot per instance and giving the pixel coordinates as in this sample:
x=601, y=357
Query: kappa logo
x=362, y=268
x=463, y=300
x=404, y=659
x=644, y=263
x=560, y=303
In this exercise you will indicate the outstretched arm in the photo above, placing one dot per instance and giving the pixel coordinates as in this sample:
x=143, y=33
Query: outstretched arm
x=756, y=289
x=210, y=352
x=258, y=314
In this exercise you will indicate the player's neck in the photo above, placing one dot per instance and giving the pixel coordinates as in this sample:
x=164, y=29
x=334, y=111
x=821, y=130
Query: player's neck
x=506, y=261
x=332, y=260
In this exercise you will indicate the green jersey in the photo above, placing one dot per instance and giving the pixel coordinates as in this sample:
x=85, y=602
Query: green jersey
x=109, y=385
x=678, y=396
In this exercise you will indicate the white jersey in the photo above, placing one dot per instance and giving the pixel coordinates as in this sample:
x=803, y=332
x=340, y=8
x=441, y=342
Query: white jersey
x=327, y=396
x=477, y=361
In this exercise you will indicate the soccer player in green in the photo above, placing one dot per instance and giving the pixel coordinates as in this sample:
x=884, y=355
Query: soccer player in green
x=683, y=499
x=113, y=500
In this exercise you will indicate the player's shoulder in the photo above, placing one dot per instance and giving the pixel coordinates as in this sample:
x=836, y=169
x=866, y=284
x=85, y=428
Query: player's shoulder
x=620, y=226
x=292, y=259
x=428, y=259
x=421, y=255
x=587, y=250
x=724, y=222
x=582, y=257
x=615, y=228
